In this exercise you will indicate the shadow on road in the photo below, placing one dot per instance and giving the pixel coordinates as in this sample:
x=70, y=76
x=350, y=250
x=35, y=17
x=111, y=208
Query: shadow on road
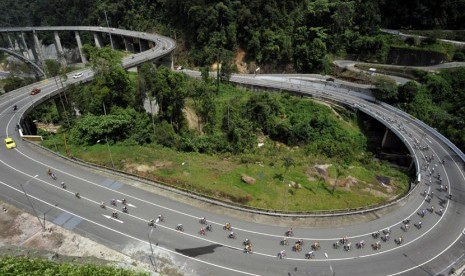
x=194, y=252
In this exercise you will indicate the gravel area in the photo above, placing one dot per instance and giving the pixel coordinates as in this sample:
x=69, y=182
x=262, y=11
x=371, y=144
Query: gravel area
x=21, y=234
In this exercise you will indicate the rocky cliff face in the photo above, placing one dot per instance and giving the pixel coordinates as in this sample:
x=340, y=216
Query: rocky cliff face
x=411, y=57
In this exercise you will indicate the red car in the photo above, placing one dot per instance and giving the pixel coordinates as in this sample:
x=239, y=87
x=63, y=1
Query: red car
x=35, y=91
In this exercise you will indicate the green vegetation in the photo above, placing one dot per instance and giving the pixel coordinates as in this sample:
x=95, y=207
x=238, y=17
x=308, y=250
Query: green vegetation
x=438, y=100
x=297, y=35
x=28, y=267
x=218, y=134
x=458, y=35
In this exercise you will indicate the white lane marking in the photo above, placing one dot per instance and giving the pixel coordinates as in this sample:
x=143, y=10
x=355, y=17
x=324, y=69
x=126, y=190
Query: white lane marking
x=110, y=217
x=280, y=235
x=264, y=254
x=427, y=261
x=128, y=204
x=186, y=214
x=131, y=237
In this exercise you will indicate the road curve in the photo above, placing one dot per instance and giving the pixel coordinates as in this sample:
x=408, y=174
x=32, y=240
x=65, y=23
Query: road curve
x=431, y=250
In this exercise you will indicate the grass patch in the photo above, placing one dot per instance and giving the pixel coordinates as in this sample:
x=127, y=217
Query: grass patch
x=219, y=176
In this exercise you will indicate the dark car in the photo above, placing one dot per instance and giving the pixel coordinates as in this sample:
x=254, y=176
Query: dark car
x=35, y=91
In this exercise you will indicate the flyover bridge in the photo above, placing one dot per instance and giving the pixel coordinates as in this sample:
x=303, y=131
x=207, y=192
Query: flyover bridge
x=432, y=249
x=25, y=43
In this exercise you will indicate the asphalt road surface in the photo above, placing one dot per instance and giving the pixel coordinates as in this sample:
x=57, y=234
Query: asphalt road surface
x=431, y=250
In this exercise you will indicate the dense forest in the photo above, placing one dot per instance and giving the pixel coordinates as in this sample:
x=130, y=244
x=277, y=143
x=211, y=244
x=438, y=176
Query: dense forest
x=295, y=35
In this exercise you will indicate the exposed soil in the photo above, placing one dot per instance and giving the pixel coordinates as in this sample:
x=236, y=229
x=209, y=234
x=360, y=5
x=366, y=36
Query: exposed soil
x=21, y=234
x=192, y=119
x=383, y=190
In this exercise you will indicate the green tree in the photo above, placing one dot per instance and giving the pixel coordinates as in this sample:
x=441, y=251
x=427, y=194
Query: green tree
x=170, y=92
x=408, y=91
x=385, y=89
x=112, y=86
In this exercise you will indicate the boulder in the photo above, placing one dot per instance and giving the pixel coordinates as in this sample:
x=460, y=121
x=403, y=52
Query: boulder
x=247, y=179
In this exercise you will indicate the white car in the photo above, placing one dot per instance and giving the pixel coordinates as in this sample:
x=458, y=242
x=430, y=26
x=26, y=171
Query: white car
x=77, y=75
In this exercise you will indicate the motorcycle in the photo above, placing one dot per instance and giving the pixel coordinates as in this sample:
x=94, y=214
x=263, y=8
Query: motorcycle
x=180, y=228
x=309, y=255
x=53, y=176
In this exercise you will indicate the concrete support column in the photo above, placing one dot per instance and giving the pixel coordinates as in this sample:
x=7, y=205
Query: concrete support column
x=15, y=43
x=38, y=48
x=166, y=61
x=143, y=45
x=23, y=41
x=128, y=45
x=412, y=164
x=10, y=42
x=59, y=48
x=98, y=40
x=19, y=45
x=386, y=133
x=79, y=44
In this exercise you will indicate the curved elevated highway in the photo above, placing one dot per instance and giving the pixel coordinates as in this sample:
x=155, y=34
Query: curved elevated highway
x=431, y=250
x=24, y=59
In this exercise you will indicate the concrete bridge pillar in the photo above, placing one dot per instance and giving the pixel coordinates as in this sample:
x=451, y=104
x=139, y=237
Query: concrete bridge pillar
x=79, y=44
x=143, y=45
x=38, y=49
x=23, y=41
x=59, y=48
x=15, y=43
x=386, y=133
x=18, y=44
x=98, y=40
x=390, y=140
x=10, y=42
x=166, y=61
x=128, y=45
